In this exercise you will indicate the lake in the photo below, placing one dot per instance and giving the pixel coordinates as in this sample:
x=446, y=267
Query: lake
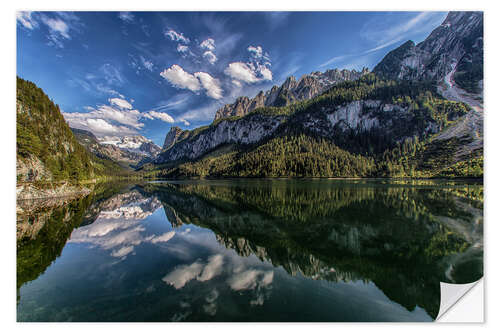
x=250, y=250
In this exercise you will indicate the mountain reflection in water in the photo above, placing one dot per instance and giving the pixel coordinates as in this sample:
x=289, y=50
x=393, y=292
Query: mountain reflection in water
x=250, y=250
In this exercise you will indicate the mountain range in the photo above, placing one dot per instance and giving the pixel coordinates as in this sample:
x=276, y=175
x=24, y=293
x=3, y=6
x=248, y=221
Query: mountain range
x=419, y=113
x=128, y=151
x=307, y=87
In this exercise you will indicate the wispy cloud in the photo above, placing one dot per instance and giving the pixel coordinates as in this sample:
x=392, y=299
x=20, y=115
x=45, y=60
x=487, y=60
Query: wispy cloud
x=176, y=36
x=60, y=26
x=127, y=17
x=26, y=20
x=175, y=103
x=335, y=60
x=163, y=116
x=112, y=74
x=393, y=29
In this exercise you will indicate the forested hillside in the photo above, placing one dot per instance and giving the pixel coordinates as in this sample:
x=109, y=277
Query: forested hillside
x=389, y=136
x=47, y=150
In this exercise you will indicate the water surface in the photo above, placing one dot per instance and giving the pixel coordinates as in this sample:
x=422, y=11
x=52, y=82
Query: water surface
x=250, y=250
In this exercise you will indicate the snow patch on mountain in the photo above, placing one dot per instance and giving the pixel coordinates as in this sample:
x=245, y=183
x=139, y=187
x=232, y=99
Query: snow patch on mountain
x=137, y=144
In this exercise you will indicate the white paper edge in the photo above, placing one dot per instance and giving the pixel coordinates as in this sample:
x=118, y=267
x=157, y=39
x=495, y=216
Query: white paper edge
x=462, y=303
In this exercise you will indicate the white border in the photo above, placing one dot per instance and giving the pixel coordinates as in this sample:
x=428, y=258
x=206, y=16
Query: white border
x=7, y=132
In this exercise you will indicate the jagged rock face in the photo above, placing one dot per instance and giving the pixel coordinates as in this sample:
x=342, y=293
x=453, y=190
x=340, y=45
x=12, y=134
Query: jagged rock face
x=350, y=116
x=290, y=91
x=458, y=40
x=32, y=169
x=363, y=117
x=246, y=130
x=173, y=136
x=359, y=116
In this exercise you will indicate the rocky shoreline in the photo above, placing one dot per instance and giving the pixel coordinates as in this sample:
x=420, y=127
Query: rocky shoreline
x=31, y=191
x=35, y=203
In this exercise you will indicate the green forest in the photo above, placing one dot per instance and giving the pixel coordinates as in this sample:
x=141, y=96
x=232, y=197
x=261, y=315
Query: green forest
x=42, y=133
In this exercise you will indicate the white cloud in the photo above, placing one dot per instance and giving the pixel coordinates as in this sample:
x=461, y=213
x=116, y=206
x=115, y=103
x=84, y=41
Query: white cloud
x=213, y=268
x=257, y=68
x=211, y=85
x=58, y=30
x=247, y=72
x=159, y=115
x=208, y=44
x=100, y=126
x=197, y=270
x=163, y=238
x=250, y=279
x=96, y=123
x=120, y=228
x=118, y=118
x=120, y=103
x=256, y=51
x=210, y=56
x=180, y=78
x=122, y=252
x=26, y=20
x=182, y=48
x=126, y=17
x=125, y=117
x=241, y=71
x=176, y=36
x=183, y=274
x=266, y=73
x=57, y=26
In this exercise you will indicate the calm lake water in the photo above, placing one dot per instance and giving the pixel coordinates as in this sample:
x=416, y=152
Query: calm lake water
x=250, y=250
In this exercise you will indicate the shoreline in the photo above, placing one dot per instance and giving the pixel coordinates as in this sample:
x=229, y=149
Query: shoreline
x=30, y=191
x=472, y=179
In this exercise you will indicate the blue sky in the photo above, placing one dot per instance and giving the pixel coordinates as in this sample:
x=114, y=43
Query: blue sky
x=121, y=73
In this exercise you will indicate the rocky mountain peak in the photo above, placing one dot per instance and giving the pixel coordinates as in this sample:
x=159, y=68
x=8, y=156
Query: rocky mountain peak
x=454, y=45
x=290, y=83
x=308, y=86
x=172, y=136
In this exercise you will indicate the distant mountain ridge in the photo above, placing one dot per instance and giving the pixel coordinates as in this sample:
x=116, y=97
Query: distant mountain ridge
x=110, y=152
x=307, y=87
x=137, y=144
